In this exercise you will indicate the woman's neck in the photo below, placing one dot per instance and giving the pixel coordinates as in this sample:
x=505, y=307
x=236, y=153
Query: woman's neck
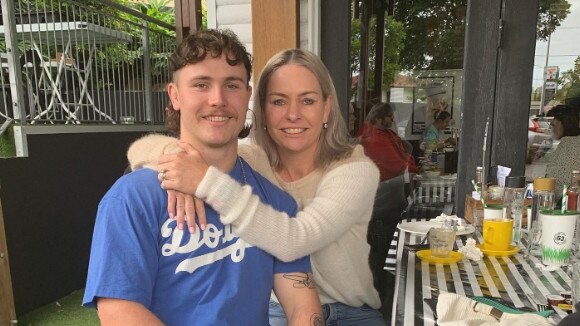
x=295, y=168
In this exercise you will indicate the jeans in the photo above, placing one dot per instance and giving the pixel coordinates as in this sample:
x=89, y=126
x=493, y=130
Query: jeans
x=335, y=314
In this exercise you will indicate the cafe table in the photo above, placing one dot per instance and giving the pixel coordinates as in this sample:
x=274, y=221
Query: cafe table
x=509, y=278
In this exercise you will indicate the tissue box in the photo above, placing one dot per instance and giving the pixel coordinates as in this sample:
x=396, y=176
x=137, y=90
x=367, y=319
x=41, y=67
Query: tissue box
x=472, y=205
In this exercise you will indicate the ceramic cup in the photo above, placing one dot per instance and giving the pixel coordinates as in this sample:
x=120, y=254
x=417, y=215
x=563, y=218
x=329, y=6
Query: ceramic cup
x=497, y=234
x=557, y=236
x=441, y=241
x=494, y=212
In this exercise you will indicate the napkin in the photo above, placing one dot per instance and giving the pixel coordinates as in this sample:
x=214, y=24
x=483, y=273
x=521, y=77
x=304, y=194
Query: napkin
x=471, y=251
x=450, y=220
x=457, y=310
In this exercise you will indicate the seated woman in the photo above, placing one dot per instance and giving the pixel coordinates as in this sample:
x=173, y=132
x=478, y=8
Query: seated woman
x=433, y=136
x=383, y=145
x=566, y=157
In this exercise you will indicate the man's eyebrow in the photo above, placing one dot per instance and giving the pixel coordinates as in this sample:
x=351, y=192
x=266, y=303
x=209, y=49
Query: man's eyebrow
x=301, y=94
x=205, y=78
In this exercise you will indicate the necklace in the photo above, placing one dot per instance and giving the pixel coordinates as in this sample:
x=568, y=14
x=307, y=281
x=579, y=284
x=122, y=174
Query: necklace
x=243, y=170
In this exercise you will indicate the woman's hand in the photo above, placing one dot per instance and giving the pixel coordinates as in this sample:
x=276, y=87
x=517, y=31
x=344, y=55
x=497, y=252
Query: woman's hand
x=182, y=206
x=181, y=174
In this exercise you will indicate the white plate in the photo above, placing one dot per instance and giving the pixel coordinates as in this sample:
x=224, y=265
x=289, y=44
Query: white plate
x=421, y=227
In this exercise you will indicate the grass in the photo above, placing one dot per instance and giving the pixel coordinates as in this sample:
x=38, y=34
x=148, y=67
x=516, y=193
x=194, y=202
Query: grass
x=7, y=146
x=64, y=312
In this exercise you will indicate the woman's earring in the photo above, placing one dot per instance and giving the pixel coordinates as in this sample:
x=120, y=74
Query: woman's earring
x=325, y=125
x=265, y=128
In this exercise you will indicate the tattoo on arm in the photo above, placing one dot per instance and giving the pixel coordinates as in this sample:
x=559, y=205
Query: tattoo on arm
x=301, y=280
x=316, y=320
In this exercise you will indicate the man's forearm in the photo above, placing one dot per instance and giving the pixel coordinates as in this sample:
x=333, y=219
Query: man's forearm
x=298, y=296
x=127, y=313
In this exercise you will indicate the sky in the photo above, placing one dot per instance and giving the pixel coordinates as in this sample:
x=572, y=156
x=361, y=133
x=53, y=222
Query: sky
x=564, y=45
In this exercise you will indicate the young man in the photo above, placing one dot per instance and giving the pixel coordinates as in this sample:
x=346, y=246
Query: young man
x=143, y=269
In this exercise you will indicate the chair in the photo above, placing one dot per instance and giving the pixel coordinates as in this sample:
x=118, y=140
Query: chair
x=390, y=202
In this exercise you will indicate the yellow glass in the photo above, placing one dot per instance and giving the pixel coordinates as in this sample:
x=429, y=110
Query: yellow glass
x=497, y=234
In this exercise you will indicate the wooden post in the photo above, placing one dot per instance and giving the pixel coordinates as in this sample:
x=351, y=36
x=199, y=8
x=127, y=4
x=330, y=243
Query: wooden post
x=7, y=311
x=187, y=17
x=275, y=27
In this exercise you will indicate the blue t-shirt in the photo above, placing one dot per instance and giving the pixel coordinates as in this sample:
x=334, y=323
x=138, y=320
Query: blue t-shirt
x=212, y=277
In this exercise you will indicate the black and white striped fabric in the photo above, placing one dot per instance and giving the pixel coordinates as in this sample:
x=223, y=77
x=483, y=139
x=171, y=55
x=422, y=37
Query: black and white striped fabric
x=508, y=278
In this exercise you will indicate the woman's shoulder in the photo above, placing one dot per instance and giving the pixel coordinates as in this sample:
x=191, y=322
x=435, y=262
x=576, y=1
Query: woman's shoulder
x=357, y=156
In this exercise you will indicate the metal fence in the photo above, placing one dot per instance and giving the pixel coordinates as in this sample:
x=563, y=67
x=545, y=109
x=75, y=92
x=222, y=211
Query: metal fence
x=66, y=62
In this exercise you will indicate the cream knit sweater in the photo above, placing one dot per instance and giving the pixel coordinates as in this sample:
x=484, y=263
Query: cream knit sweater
x=335, y=209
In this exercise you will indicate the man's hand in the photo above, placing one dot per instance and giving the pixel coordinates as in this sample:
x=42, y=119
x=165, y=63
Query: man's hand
x=126, y=313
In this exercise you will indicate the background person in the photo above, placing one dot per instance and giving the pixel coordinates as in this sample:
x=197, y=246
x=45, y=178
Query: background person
x=566, y=156
x=383, y=145
x=303, y=146
x=143, y=270
x=434, y=137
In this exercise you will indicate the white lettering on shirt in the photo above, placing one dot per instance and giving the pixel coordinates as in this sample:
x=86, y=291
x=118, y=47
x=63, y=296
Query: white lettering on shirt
x=211, y=238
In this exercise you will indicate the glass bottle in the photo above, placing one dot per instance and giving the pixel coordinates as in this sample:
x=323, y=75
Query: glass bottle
x=513, y=199
x=543, y=198
x=574, y=191
x=479, y=177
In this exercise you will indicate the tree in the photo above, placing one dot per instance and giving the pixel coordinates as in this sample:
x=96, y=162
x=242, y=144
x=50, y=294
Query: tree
x=436, y=30
x=393, y=43
x=569, y=83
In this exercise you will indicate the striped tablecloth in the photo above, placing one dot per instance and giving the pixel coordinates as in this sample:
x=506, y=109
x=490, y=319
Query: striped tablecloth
x=508, y=278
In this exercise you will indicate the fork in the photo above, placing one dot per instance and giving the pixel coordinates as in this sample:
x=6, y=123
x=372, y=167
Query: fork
x=539, y=306
x=420, y=246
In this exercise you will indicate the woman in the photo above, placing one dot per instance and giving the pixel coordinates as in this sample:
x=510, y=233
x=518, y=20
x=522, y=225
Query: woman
x=433, y=137
x=566, y=157
x=302, y=146
x=383, y=145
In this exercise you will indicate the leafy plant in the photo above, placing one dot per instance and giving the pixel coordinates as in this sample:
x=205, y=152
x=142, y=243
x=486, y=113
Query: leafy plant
x=393, y=43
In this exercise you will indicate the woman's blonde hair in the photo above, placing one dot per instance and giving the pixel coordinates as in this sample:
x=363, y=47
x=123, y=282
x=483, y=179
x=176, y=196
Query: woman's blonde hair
x=334, y=142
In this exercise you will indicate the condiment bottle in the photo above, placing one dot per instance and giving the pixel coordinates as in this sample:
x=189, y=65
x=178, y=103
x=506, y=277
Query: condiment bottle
x=574, y=191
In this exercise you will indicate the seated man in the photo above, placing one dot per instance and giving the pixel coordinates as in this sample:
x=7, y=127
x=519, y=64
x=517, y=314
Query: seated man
x=143, y=269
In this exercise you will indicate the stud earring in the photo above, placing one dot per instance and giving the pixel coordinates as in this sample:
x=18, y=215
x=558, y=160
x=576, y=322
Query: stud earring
x=325, y=125
x=265, y=128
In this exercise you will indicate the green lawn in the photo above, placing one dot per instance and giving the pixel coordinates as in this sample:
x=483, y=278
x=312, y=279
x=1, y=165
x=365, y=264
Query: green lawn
x=64, y=312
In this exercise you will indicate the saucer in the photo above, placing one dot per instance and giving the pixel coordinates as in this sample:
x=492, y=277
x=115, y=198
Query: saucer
x=512, y=250
x=425, y=255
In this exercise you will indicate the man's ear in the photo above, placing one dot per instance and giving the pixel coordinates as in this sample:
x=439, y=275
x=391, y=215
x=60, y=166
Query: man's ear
x=173, y=96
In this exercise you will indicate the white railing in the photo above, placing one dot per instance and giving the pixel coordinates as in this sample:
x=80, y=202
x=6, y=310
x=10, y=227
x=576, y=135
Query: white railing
x=66, y=62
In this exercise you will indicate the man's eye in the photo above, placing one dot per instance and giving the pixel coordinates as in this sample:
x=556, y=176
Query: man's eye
x=232, y=86
x=200, y=85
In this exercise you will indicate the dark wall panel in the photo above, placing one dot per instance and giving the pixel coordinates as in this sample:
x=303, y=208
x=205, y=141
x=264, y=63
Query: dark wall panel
x=335, y=47
x=49, y=202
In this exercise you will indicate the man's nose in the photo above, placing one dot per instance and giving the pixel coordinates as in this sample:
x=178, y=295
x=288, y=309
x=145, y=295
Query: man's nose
x=216, y=97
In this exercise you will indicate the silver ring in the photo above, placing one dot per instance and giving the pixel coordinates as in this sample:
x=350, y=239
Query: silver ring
x=161, y=175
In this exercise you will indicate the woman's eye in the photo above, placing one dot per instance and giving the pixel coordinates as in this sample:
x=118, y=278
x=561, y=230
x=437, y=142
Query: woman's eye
x=308, y=101
x=278, y=102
